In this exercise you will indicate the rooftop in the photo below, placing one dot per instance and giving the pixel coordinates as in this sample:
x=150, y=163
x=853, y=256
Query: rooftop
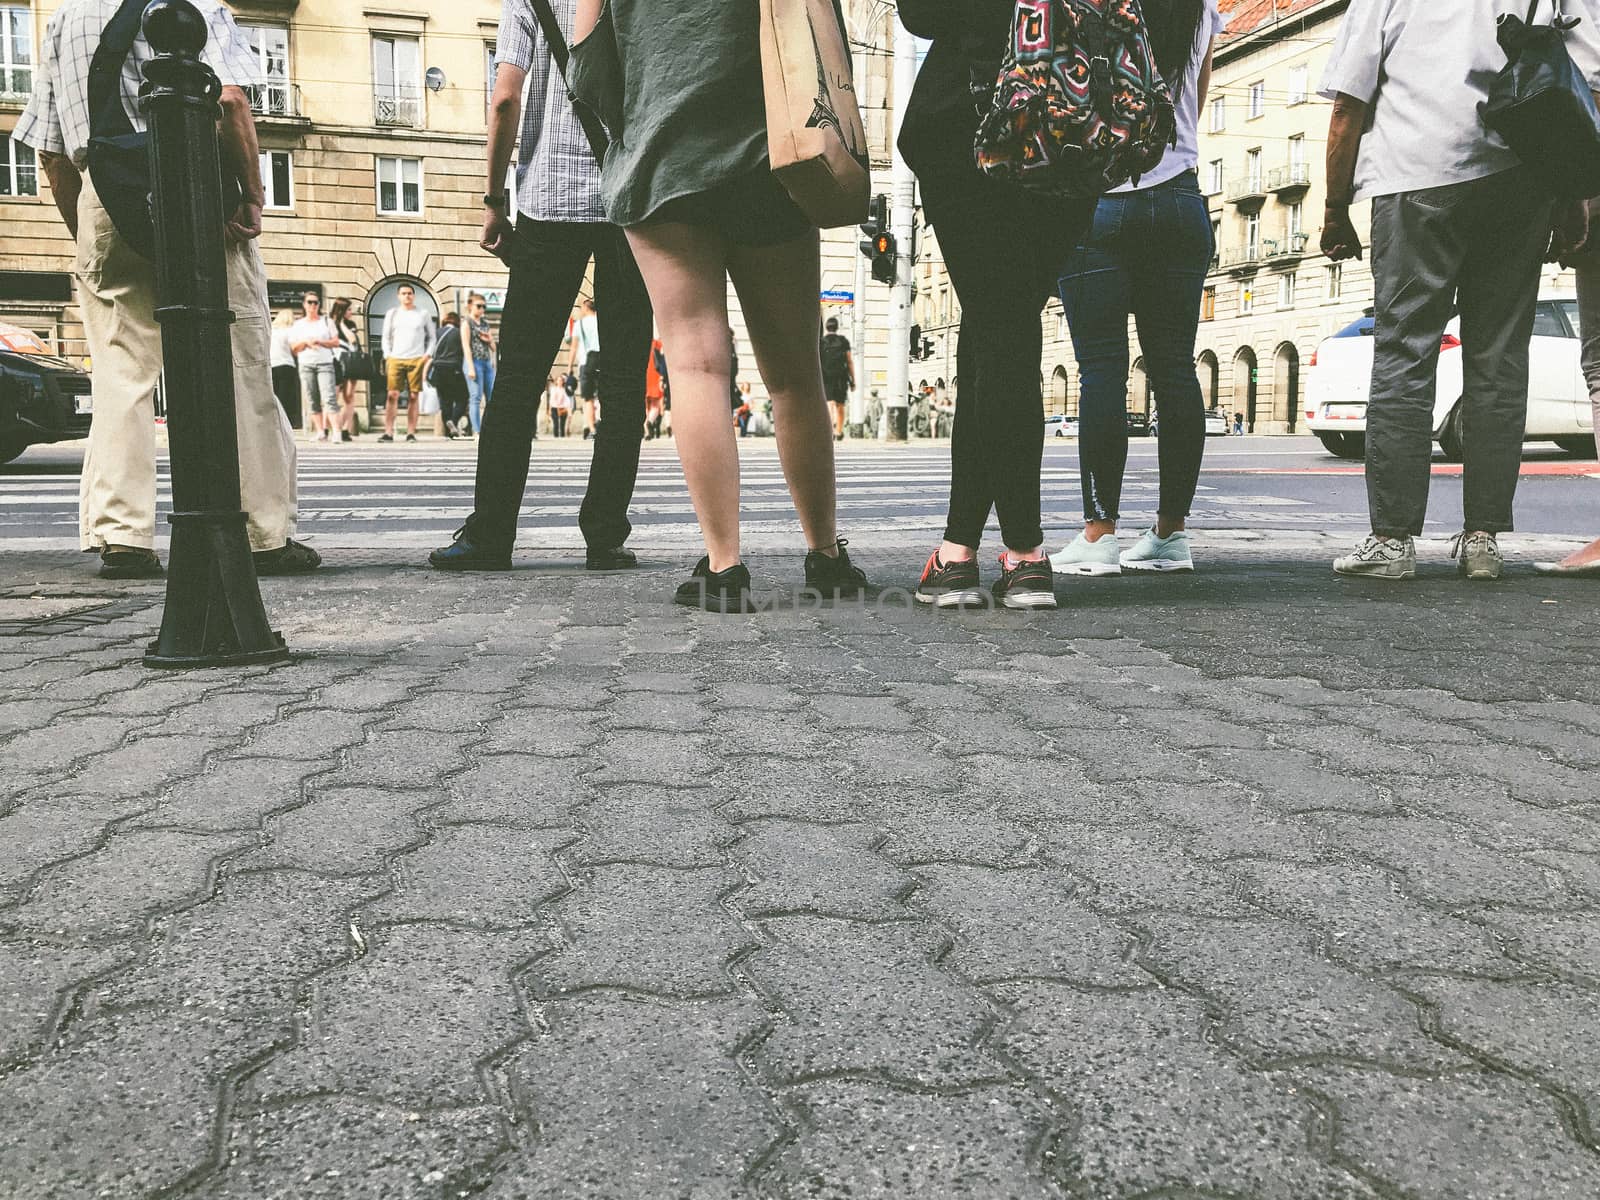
x=1250, y=16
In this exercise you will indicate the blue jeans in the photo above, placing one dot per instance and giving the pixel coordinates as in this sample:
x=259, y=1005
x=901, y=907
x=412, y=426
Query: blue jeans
x=479, y=389
x=1147, y=257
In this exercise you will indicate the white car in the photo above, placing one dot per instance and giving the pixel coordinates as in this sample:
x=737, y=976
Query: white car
x=1216, y=423
x=1061, y=426
x=1558, y=398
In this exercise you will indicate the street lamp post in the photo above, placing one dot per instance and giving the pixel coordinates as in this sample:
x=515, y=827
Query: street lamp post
x=214, y=615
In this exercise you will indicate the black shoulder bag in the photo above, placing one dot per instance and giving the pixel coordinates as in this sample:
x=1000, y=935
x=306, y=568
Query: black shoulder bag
x=119, y=155
x=594, y=80
x=1541, y=105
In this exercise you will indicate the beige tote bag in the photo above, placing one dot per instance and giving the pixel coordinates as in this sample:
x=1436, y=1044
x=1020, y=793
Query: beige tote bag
x=815, y=137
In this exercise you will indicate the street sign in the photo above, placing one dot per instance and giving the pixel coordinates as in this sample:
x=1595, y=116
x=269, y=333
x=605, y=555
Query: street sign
x=838, y=296
x=494, y=298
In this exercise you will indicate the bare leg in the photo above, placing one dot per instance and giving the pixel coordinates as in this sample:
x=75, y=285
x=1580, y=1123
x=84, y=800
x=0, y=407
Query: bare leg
x=390, y=408
x=778, y=288
x=685, y=271
x=413, y=408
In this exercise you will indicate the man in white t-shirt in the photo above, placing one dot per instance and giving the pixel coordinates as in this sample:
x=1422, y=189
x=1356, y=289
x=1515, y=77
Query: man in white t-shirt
x=407, y=343
x=1456, y=221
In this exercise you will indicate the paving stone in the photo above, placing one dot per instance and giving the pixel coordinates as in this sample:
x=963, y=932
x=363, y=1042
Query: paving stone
x=1459, y=1138
x=71, y=739
x=1187, y=729
x=234, y=793
x=1019, y=923
x=669, y=827
x=400, y=760
x=480, y=875
x=343, y=831
x=663, y=712
x=1492, y=818
x=606, y=1126
x=452, y=712
x=829, y=869
x=516, y=789
x=801, y=789
x=863, y=1140
x=922, y=833
x=545, y=687
x=227, y=713
x=673, y=680
x=851, y=713
x=778, y=735
x=667, y=759
x=128, y=1109
x=546, y=732
x=1527, y=774
x=1279, y=999
x=1295, y=782
x=1226, y=822
x=364, y=694
x=406, y=1022
x=755, y=695
x=111, y=893
x=340, y=1148
x=33, y=977
x=651, y=929
x=1153, y=1107
x=1118, y=756
x=1380, y=757
x=868, y=998
x=1129, y=870
x=1563, y=942
x=39, y=832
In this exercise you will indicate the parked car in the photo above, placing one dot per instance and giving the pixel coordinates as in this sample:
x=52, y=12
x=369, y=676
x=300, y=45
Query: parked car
x=1558, y=398
x=1140, y=425
x=1061, y=426
x=42, y=398
x=1216, y=423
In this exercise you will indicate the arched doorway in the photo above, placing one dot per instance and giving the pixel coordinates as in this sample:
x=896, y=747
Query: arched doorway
x=1244, y=387
x=384, y=297
x=1139, y=389
x=1286, y=385
x=1209, y=372
x=1058, y=392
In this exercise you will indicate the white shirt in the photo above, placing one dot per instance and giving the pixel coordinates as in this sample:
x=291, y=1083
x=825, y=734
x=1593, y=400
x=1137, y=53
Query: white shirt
x=407, y=333
x=587, y=330
x=282, y=350
x=307, y=330
x=557, y=398
x=1184, y=155
x=57, y=117
x=1583, y=41
x=1423, y=66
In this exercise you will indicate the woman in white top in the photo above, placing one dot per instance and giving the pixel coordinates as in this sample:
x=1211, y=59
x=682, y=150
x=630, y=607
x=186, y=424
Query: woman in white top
x=1147, y=256
x=285, y=379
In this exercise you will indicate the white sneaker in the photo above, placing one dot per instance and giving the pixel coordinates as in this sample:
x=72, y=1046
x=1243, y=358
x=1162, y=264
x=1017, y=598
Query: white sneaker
x=1380, y=558
x=1080, y=556
x=1479, y=555
x=1152, y=553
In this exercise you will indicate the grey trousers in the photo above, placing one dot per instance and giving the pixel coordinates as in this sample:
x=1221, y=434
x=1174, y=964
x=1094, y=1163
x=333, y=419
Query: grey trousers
x=1479, y=245
x=1589, y=331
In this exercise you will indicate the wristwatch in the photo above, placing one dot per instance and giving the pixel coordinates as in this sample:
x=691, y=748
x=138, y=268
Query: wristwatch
x=499, y=200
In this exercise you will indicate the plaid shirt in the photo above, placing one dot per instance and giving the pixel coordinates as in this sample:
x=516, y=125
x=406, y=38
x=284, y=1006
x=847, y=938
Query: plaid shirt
x=557, y=177
x=56, y=120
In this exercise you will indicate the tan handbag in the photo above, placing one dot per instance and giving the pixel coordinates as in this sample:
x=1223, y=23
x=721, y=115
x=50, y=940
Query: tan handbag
x=815, y=137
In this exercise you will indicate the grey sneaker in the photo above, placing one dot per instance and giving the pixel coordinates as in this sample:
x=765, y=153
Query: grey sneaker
x=1478, y=555
x=1080, y=556
x=1380, y=558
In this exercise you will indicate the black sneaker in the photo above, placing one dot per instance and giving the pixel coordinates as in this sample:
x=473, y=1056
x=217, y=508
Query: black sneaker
x=1025, y=584
x=464, y=554
x=617, y=558
x=950, y=585
x=291, y=558
x=716, y=591
x=129, y=562
x=834, y=575
x=411, y=437
x=386, y=437
x=346, y=436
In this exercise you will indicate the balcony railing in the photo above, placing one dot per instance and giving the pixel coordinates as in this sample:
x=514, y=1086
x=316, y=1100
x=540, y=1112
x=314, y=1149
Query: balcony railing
x=1248, y=189
x=397, y=106
x=1241, y=257
x=280, y=101
x=1293, y=246
x=1289, y=179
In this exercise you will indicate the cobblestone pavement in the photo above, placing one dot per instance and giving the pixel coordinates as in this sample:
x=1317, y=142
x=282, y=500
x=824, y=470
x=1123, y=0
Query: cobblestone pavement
x=1252, y=884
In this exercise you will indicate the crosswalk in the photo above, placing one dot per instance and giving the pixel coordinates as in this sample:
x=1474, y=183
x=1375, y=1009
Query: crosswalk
x=373, y=496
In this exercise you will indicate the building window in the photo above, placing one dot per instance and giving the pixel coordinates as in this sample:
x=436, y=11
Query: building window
x=16, y=50
x=1297, y=151
x=1252, y=235
x=1214, y=178
x=1286, y=290
x=1258, y=99
x=488, y=80
x=271, y=44
x=1247, y=298
x=1297, y=222
x=1253, y=171
x=396, y=80
x=1219, y=114
x=399, y=187
x=1335, y=288
x=1208, y=304
x=1299, y=84
x=19, y=170
x=277, y=178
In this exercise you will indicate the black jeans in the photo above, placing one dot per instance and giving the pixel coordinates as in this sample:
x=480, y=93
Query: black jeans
x=1147, y=256
x=548, y=260
x=451, y=385
x=1005, y=249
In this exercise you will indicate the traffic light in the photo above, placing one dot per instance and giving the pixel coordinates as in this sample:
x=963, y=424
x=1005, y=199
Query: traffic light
x=879, y=244
x=916, y=343
x=927, y=347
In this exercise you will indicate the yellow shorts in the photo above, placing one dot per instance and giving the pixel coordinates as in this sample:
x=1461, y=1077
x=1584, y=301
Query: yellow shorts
x=405, y=374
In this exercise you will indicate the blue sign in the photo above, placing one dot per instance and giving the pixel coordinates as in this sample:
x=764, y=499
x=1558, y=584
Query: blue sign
x=839, y=296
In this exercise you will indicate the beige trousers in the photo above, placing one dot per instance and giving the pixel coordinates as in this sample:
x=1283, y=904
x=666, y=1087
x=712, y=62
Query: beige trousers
x=117, y=295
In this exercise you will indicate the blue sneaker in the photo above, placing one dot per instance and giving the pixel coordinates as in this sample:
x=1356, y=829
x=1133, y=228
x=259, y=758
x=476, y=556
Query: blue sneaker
x=1083, y=557
x=1152, y=553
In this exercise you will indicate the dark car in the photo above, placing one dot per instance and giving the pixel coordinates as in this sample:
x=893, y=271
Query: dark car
x=42, y=398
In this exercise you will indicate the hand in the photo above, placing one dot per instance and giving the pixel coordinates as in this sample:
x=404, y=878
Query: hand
x=472, y=374
x=1570, y=233
x=245, y=224
x=497, y=231
x=1339, y=238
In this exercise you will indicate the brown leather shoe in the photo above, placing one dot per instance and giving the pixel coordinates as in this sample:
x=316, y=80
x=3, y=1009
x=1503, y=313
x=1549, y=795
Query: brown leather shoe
x=129, y=562
x=291, y=558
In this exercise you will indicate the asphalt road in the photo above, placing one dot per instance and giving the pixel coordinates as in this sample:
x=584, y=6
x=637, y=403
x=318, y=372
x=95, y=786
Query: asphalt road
x=371, y=496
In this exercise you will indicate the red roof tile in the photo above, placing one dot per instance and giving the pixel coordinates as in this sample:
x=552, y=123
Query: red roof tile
x=1249, y=16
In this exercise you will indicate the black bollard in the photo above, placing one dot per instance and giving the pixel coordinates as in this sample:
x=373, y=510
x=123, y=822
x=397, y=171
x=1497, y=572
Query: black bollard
x=214, y=615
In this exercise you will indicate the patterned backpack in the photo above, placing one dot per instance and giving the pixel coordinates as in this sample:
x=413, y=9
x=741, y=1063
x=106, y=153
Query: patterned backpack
x=1080, y=107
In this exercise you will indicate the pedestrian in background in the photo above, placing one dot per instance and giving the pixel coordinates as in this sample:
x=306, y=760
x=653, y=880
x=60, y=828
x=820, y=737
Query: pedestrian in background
x=1005, y=248
x=480, y=362
x=838, y=373
x=117, y=299
x=285, y=379
x=692, y=184
x=407, y=338
x=313, y=340
x=1457, y=221
x=446, y=373
x=559, y=401
x=583, y=340
x=1147, y=256
x=655, y=382
x=349, y=346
